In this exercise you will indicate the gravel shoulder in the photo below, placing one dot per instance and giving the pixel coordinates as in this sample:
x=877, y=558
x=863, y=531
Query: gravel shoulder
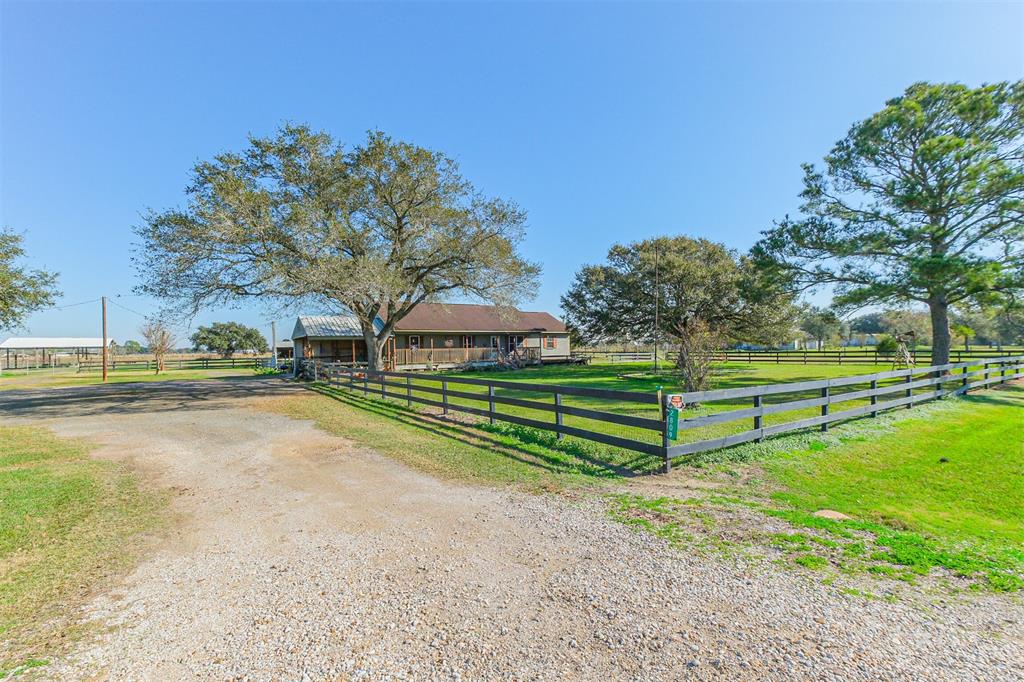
x=302, y=556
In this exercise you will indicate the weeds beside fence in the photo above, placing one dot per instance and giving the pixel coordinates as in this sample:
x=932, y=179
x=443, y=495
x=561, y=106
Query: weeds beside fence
x=640, y=421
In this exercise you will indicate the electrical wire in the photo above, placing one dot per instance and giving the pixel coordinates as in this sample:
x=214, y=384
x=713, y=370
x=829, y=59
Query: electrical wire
x=72, y=305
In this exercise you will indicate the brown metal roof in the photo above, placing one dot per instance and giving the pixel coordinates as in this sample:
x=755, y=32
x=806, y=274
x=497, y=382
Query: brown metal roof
x=470, y=317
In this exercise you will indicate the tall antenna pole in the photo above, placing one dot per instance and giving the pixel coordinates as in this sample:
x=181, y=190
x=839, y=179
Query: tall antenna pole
x=657, y=304
x=104, y=299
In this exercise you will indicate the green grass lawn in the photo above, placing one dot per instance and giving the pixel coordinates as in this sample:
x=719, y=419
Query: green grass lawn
x=58, y=378
x=68, y=524
x=938, y=486
x=958, y=475
x=911, y=512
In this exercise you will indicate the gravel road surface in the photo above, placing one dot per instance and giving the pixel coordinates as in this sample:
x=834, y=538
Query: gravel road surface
x=303, y=556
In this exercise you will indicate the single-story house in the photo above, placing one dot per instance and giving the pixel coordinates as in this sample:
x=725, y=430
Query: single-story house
x=439, y=335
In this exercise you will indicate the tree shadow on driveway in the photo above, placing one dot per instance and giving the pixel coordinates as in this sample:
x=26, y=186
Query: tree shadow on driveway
x=133, y=398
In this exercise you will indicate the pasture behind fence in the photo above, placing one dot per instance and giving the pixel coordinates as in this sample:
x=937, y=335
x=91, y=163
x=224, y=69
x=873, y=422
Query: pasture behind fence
x=846, y=356
x=642, y=422
x=115, y=364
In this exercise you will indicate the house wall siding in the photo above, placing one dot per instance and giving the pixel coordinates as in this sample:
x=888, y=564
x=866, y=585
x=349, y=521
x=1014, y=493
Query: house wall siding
x=530, y=340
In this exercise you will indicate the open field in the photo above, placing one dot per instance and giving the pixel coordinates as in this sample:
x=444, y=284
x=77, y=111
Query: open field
x=68, y=526
x=45, y=378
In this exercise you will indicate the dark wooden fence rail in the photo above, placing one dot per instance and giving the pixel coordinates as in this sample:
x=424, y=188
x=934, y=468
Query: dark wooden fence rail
x=399, y=385
x=614, y=355
x=937, y=380
x=176, y=363
x=844, y=356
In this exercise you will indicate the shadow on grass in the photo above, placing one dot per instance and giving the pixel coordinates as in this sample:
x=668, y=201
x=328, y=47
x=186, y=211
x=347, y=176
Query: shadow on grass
x=568, y=455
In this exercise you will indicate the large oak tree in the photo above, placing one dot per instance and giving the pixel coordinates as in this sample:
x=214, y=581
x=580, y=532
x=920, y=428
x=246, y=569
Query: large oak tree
x=921, y=203
x=375, y=229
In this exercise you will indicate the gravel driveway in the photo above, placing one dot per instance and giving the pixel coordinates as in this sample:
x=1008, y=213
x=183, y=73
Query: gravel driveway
x=303, y=556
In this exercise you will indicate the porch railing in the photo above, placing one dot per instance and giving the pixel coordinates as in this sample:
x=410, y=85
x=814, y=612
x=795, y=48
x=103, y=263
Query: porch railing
x=457, y=356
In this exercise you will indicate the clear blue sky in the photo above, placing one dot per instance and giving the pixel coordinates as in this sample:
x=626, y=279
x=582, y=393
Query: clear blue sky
x=606, y=122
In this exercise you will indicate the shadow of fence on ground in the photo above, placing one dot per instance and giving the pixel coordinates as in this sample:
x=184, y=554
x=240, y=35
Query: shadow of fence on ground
x=573, y=455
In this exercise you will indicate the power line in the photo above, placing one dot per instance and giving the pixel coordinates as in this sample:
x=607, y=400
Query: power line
x=72, y=305
x=124, y=307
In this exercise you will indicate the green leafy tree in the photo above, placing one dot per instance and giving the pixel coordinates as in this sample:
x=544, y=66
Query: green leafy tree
x=917, y=323
x=132, y=347
x=821, y=324
x=964, y=332
x=870, y=323
x=22, y=291
x=923, y=202
x=665, y=283
x=227, y=338
x=375, y=229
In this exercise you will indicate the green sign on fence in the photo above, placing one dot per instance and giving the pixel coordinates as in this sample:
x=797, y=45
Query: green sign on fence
x=673, y=403
x=673, y=423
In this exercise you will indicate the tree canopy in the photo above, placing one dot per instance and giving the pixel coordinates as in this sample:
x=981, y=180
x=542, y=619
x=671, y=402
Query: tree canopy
x=696, y=279
x=821, y=324
x=22, y=290
x=375, y=229
x=227, y=338
x=923, y=202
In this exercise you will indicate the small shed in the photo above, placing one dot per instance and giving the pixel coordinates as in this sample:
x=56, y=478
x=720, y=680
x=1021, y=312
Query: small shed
x=42, y=351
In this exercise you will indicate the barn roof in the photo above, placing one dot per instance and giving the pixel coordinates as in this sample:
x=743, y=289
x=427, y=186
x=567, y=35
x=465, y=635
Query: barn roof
x=329, y=327
x=28, y=342
x=470, y=317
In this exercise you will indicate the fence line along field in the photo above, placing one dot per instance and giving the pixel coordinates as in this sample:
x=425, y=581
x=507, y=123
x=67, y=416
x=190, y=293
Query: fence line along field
x=641, y=421
x=843, y=356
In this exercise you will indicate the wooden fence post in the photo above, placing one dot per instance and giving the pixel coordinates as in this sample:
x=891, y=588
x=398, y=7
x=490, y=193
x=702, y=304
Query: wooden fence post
x=366, y=383
x=558, y=414
x=910, y=391
x=1002, y=371
x=490, y=393
x=383, y=386
x=408, y=391
x=666, y=466
x=874, y=397
x=757, y=417
x=824, y=408
x=963, y=382
x=444, y=396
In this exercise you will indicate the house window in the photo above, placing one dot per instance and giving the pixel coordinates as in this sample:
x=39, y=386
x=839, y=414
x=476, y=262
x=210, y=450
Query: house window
x=514, y=341
x=495, y=343
x=549, y=342
x=414, y=341
x=467, y=340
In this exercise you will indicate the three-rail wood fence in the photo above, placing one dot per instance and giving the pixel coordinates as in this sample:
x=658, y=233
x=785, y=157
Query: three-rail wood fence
x=846, y=356
x=115, y=364
x=709, y=423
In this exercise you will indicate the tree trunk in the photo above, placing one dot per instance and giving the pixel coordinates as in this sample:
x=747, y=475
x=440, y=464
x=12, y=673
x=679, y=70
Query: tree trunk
x=941, y=340
x=372, y=351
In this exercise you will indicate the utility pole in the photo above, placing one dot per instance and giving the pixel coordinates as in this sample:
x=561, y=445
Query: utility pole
x=104, y=299
x=657, y=302
x=273, y=343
